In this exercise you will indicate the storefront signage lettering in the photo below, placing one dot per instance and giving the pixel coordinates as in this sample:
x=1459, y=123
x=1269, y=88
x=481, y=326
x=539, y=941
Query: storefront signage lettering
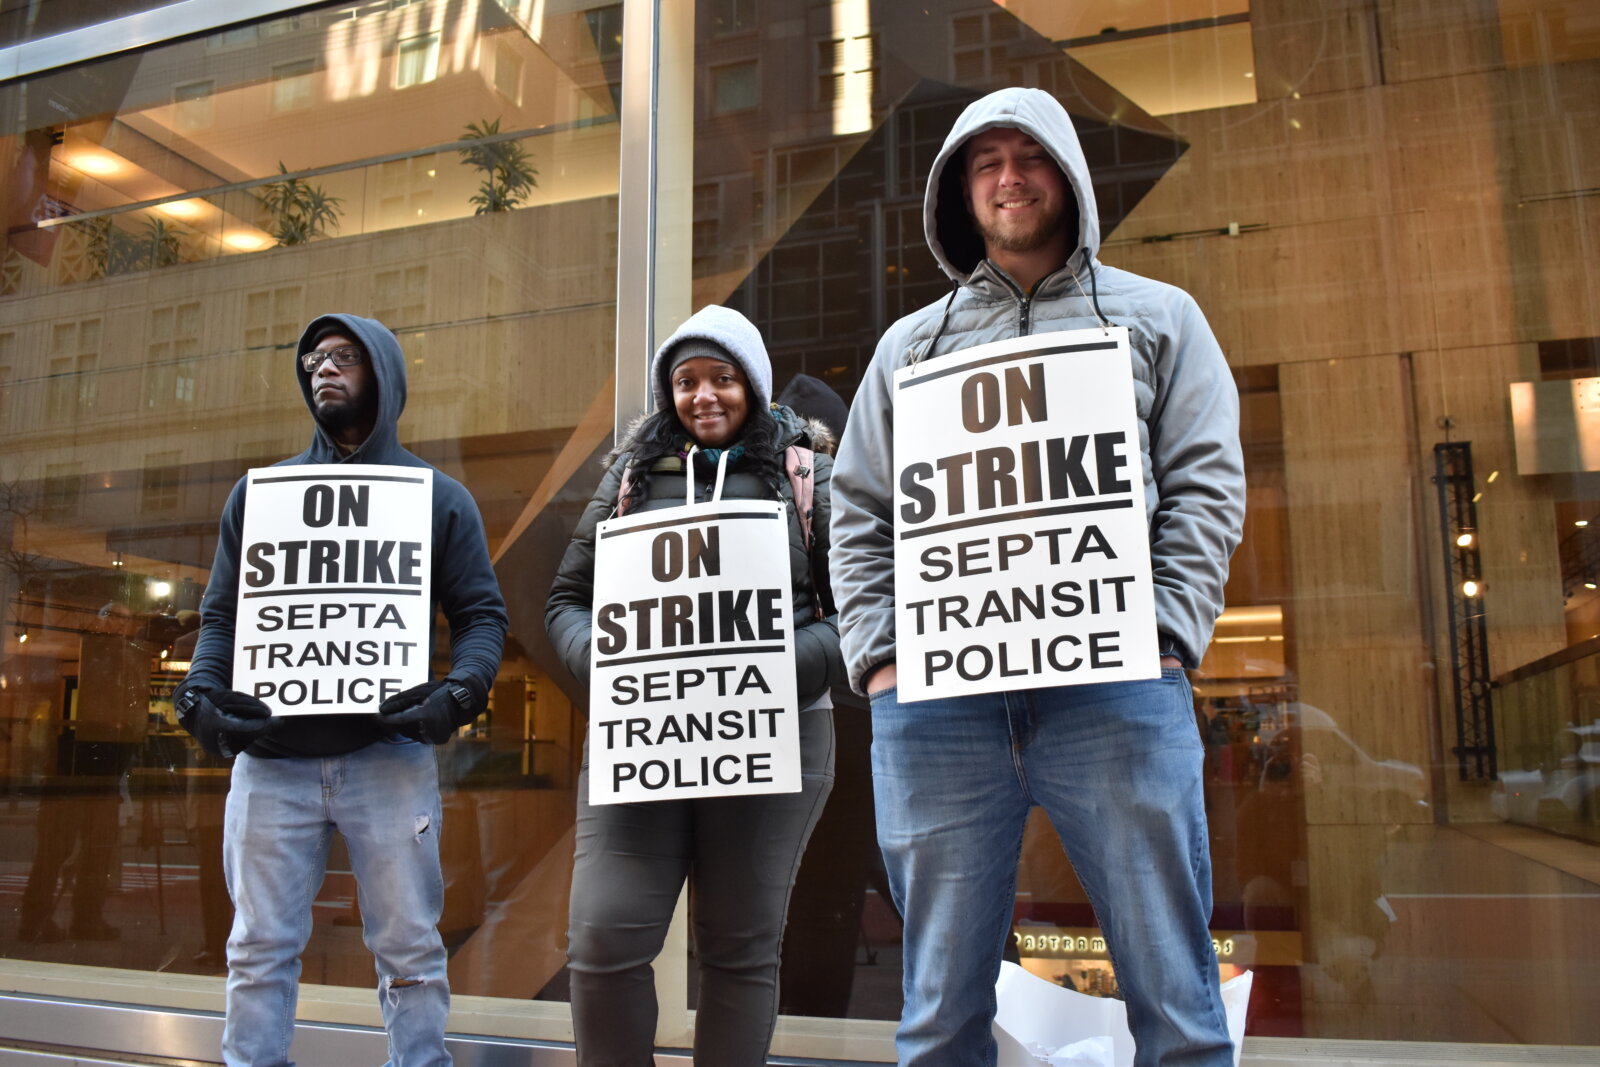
x=1057, y=943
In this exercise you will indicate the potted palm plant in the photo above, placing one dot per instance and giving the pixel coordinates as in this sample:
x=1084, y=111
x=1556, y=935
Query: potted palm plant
x=300, y=211
x=508, y=174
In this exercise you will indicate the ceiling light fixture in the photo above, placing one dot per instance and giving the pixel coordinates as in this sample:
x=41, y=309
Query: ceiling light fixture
x=244, y=240
x=99, y=164
x=183, y=209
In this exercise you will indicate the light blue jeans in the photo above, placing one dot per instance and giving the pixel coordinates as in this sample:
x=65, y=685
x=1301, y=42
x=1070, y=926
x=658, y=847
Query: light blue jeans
x=1117, y=768
x=281, y=816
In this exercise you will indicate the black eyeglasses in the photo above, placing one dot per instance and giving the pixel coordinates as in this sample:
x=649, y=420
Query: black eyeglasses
x=343, y=356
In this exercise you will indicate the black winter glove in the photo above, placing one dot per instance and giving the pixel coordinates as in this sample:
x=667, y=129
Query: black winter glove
x=224, y=721
x=434, y=711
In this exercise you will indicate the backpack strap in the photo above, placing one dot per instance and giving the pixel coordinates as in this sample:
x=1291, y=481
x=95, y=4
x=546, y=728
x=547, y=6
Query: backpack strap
x=622, y=490
x=800, y=463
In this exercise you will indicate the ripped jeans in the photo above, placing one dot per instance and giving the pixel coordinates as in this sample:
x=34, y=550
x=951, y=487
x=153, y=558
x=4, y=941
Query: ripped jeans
x=281, y=816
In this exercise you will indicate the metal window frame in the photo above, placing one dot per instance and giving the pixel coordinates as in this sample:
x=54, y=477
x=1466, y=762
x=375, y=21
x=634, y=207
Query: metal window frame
x=655, y=201
x=660, y=33
x=41, y=1021
x=655, y=212
x=655, y=206
x=1471, y=680
x=134, y=32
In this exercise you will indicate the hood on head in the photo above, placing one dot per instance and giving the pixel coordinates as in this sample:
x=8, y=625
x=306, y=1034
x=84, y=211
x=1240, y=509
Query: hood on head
x=388, y=367
x=815, y=400
x=947, y=223
x=728, y=330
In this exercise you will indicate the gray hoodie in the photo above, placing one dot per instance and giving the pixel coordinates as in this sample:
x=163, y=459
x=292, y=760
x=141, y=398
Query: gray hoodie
x=1187, y=404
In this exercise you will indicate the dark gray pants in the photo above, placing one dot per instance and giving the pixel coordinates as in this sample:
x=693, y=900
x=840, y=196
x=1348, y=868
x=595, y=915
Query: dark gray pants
x=740, y=855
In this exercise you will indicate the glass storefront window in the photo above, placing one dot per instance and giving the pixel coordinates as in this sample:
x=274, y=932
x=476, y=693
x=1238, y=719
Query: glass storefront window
x=1386, y=215
x=1378, y=223
x=174, y=218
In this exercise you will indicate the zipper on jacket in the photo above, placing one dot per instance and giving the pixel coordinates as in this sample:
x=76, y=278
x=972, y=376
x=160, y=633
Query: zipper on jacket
x=1023, y=303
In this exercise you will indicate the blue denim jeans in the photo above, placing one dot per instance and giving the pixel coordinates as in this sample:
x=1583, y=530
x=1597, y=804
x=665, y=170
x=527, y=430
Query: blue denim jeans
x=281, y=816
x=1117, y=768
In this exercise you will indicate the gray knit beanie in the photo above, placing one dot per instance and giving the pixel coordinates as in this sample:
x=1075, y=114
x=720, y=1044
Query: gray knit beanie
x=721, y=333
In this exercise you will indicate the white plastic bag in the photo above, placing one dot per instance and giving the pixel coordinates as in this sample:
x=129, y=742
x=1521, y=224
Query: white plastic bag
x=1038, y=1022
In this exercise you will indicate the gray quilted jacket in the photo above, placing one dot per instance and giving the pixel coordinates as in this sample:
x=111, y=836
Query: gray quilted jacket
x=1187, y=404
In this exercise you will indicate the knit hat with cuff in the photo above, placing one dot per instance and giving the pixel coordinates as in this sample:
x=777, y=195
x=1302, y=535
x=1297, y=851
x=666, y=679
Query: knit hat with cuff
x=720, y=333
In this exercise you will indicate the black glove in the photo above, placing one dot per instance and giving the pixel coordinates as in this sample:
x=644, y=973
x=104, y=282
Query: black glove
x=224, y=721
x=434, y=711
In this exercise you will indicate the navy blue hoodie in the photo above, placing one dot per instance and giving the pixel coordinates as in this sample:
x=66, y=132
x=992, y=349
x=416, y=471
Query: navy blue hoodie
x=464, y=584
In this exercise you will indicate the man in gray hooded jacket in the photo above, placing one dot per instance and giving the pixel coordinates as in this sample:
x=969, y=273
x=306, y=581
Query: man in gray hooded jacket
x=1010, y=216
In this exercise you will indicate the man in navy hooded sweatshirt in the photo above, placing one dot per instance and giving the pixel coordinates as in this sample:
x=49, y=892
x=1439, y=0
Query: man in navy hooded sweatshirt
x=370, y=777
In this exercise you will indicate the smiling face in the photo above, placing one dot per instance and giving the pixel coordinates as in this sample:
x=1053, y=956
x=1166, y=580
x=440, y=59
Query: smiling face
x=1018, y=197
x=711, y=397
x=345, y=398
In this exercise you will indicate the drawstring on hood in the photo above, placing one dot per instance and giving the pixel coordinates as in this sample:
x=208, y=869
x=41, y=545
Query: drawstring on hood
x=1094, y=299
x=944, y=320
x=388, y=364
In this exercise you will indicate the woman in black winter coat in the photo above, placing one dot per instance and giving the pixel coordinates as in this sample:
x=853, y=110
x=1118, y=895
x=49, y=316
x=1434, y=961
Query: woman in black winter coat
x=712, y=383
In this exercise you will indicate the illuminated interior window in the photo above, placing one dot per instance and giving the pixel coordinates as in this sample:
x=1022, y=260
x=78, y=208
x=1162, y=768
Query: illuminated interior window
x=508, y=73
x=162, y=485
x=416, y=61
x=846, y=77
x=192, y=104
x=291, y=85
x=1167, y=57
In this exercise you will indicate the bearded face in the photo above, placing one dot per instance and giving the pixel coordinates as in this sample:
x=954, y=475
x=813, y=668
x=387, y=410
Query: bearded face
x=1016, y=192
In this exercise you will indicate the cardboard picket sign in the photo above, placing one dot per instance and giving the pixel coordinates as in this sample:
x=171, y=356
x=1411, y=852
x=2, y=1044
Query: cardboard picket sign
x=335, y=570
x=1022, y=553
x=692, y=659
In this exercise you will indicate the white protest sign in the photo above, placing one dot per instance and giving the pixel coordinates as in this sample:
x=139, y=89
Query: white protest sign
x=335, y=569
x=692, y=659
x=1022, y=554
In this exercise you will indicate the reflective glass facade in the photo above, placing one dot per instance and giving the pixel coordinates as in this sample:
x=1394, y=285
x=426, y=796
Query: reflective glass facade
x=1386, y=212
x=176, y=217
